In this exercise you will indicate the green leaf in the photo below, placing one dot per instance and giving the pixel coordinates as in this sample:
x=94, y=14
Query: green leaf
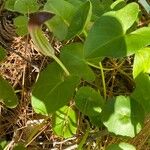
x=80, y=20
x=64, y=122
x=105, y=38
x=116, y=45
x=76, y=3
x=7, y=94
x=3, y=143
x=121, y=117
x=72, y=57
x=127, y=15
x=66, y=12
x=100, y=7
x=108, y=37
x=89, y=101
x=58, y=27
x=53, y=90
x=19, y=147
x=9, y=5
x=96, y=120
x=21, y=23
x=2, y=53
x=118, y=4
x=137, y=40
x=59, y=23
x=121, y=146
x=141, y=62
x=142, y=90
x=26, y=6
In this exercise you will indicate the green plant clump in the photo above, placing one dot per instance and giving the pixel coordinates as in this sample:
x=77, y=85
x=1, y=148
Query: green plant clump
x=95, y=31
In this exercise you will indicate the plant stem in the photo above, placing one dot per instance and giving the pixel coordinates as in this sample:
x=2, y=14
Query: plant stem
x=61, y=65
x=84, y=137
x=92, y=65
x=103, y=80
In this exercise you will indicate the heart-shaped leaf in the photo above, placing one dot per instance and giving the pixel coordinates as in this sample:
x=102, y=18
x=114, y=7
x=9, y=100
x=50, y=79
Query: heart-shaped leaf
x=80, y=20
x=64, y=122
x=72, y=57
x=108, y=36
x=121, y=117
x=7, y=94
x=88, y=101
x=53, y=90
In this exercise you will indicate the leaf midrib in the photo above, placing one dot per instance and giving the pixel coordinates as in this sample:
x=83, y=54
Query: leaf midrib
x=106, y=43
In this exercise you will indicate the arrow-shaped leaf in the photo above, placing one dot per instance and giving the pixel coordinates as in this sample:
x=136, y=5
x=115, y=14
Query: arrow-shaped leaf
x=53, y=89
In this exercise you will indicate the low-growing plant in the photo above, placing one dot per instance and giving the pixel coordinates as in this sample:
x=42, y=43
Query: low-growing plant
x=94, y=31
